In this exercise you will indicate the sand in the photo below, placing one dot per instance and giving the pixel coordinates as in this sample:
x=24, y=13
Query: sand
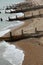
x=33, y=51
x=33, y=48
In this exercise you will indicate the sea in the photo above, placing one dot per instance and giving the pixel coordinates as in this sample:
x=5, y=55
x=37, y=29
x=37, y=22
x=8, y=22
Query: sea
x=5, y=24
x=4, y=3
x=9, y=54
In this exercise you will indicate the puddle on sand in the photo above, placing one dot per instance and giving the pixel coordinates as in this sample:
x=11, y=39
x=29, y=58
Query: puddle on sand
x=10, y=54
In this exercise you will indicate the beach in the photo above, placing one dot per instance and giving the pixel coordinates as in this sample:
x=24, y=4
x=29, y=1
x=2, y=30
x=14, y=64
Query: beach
x=33, y=47
x=33, y=51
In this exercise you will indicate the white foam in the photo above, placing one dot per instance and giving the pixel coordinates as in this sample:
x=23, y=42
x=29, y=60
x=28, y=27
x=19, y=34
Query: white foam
x=11, y=54
x=18, y=15
x=7, y=11
x=2, y=33
x=5, y=28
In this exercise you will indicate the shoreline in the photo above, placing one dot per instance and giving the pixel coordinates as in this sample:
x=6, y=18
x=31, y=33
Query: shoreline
x=33, y=48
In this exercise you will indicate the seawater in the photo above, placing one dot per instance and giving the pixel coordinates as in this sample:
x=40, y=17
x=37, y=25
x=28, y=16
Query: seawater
x=5, y=24
x=10, y=55
x=4, y=3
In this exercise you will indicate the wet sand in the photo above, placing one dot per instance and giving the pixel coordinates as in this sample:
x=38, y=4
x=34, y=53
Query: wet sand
x=33, y=48
x=29, y=25
x=33, y=51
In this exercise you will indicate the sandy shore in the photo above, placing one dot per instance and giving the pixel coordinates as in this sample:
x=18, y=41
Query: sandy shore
x=33, y=51
x=33, y=48
x=29, y=25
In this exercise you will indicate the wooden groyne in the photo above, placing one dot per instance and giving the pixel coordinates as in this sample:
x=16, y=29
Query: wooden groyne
x=27, y=9
x=14, y=38
x=25, y=17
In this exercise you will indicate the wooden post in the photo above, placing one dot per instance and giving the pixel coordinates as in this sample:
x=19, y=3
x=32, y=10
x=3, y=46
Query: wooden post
x=32, y=13
x=10, y=36
x=22, y=31
x=24, y=15
x=9, y=18
x=16, y=16
x=21, y=8
x=35, y=30
x=39, y=13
